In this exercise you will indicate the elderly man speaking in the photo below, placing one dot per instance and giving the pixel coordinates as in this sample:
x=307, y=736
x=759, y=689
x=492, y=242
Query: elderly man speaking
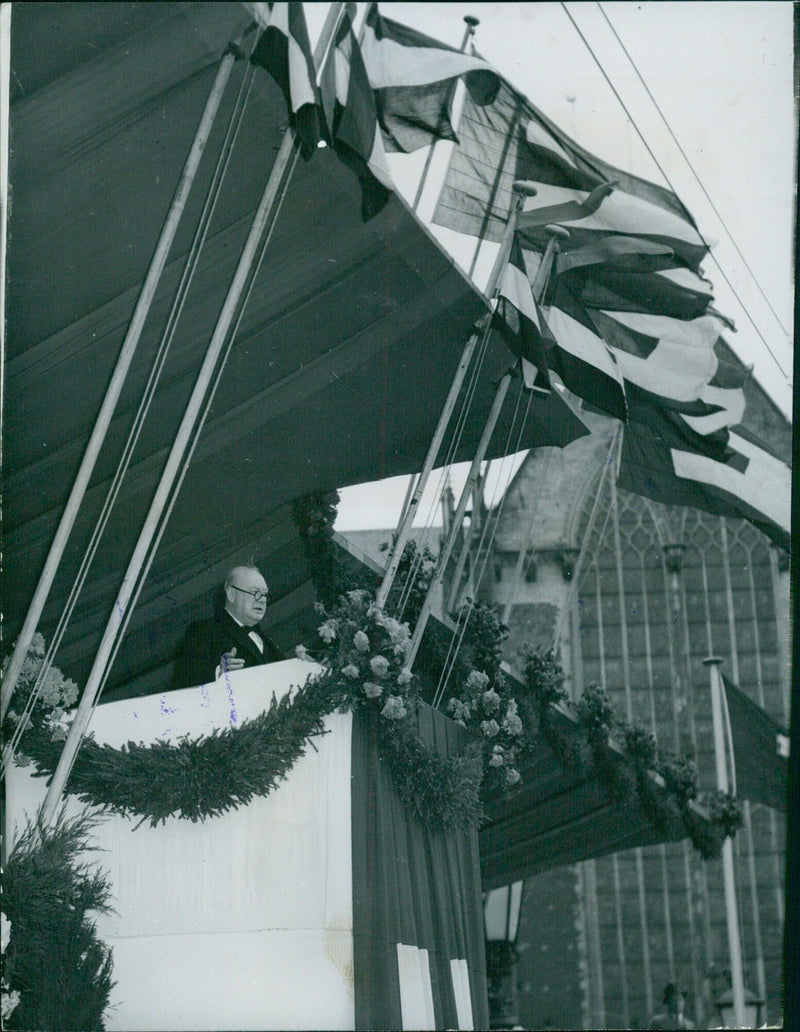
x=229, y=640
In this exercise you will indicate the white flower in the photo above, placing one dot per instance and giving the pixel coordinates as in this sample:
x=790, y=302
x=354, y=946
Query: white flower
x=459, y=709
x=404, y=677
x=361, y=641
x=512, y=776
x=5, y=932
x=477, y=681
x=496, y=759
x=491, y=700
x=301, y=652
x=513, y=724
x=351, y=670
x=490, y=728
x=394, y=708
x=357, y=596
x=372, y=690
x=380, y=665
x=327, y=631
x=9, y=1002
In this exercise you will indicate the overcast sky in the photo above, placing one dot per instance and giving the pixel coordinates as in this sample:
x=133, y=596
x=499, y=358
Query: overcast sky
x=721, y=74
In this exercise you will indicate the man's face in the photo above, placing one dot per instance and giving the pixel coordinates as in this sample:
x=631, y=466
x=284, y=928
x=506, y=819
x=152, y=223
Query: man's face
x=240, y=602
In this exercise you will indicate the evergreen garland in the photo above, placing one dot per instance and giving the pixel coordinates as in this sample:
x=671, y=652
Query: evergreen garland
x=627, y=777
x=54, y=960
x=194, y=778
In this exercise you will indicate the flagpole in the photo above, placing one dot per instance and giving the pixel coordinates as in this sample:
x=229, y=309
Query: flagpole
x=556, y=234
x=267, y=209
x=404, y=525
x=472, y=23
x=129, y=345
x=731, y=912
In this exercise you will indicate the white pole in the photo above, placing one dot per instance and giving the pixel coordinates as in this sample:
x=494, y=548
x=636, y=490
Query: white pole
x=119, y=375
x=404, y=526
x=472, y=23
x=556, y=233
x=288, y=153
x=731, y=911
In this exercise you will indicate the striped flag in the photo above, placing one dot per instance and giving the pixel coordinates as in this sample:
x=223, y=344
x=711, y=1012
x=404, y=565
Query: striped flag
x=519, y=322
x=283, y=50
x=727, y=472
x=623, y=274
x=591, y=216
x=413, y=77
x=580, y=356
x=671, y=358
x=352, y=123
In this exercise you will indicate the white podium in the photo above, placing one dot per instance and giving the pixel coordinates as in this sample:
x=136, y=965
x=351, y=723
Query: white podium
x=243, y=921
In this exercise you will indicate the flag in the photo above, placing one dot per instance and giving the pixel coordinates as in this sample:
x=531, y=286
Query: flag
x=580, y=357
x=511, y=139
x=760, y=750
x=624, y=274
x=725, y=472
x=283, y=50
x=518, y=321
x=671, y=358
x=413, y=77
x=351, y=119
x=606, y=210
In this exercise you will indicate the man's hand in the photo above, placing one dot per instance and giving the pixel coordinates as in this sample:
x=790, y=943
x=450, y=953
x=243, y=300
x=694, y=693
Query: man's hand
x=230, y=661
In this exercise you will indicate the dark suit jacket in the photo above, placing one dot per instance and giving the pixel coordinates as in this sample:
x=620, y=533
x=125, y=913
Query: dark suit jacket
x=206, y=640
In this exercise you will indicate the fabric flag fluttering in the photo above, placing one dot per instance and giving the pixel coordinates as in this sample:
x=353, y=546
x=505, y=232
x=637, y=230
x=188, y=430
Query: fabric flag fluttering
x=351, y=119
x=608, y=212
x=413, y=78
x=284, y=51
x=519, y=322
x=760, y=750
x=725, y=472
x=580, y=356
x=392, y=93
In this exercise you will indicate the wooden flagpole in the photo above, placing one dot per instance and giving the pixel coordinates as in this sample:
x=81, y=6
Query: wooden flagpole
x=284, y=164
x=404, y=526
x=731, y=911
x=555, y=234
x=119, y=375
x=472, y=23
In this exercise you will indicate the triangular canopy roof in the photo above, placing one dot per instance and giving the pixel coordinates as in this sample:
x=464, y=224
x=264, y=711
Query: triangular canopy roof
x=339, y=369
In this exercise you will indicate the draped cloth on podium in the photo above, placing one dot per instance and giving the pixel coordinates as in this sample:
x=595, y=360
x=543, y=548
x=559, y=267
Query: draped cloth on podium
x=418, y=944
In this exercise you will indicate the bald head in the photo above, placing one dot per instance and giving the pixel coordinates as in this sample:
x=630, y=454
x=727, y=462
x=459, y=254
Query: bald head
x=242, y=585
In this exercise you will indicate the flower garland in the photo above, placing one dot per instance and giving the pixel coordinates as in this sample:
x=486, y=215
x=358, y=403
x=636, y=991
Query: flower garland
x=56, y=972
x=626, y=775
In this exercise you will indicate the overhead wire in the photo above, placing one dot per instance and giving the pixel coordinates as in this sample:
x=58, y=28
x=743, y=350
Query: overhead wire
x=667, y=179
x=691, y=167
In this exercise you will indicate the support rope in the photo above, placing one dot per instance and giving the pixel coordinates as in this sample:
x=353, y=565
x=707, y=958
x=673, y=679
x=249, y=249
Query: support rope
x=187, y=276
